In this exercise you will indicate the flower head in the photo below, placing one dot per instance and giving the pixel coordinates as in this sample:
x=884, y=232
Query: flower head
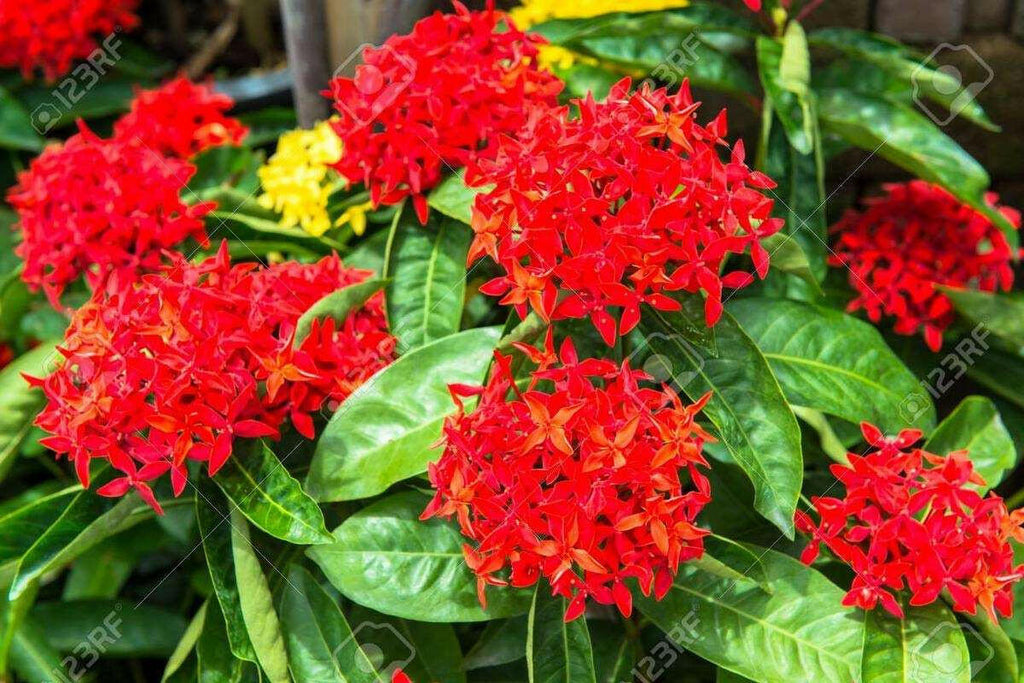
x=432, y=100
x=617, y=208
x=180, y=119
x=911, y=521
x=51, y=36
x=297, y=180
x=586, y=483
x=172, y=368
x=901, y=246
x=99, y=208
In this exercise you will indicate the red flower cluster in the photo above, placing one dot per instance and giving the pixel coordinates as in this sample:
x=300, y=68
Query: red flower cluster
x=53, y=34
x=617, y=207
x=918, y=236
x=433, y=99
x=172, y=368
x=910, y=521
x=180, y=119
x=580, y=485
x=100, y=208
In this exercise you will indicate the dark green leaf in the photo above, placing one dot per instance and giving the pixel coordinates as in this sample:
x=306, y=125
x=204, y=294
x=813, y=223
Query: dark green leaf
x=386, y=559
x=557, y=650
x=19, y=402
x=834, y=363
x=797, y=632
x=108, y=96
x=217, y=664
x=383, y=432
x=927, y=645
x=257, y=483
x=1000, y=314
x=1001, y=372
x=614, y=652
x=16, y=126
x=125, y=629
x=501, y=642
x=706, y=16
x=426, y=274
x=425, y=651
x=747, y=406
x=33, y=658
x=975, y=426
x=337, y=305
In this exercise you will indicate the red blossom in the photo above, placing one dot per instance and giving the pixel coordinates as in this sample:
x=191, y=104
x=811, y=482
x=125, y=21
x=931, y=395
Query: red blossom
x=180, y=119
x=910, y=521
x=51, y=35
x=99, y=208
x=173, y=367
x=429, y=101
x=618, y=207
x=754, y=5
x=900, y=246
x=580, y=483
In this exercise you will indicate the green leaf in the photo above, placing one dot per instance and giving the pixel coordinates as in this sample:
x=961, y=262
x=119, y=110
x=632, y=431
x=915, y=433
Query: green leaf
x=215, y=532
x=427, y=280
x=124, y=630
x=337, y=305
x=975, y=426
x=927, y=645
x=788, y=256
x=557, y=650
x=747, y=407
x=33, y=658
x=321, y=645
x=503, y=641
x=12, y=614
x=24, y=525
x=257, y=483
x=798, y=632
x=108, y=96
x=1001, y=372
x=383, y=432
x=911, y=141
x=454, y=198
x=186, y=644
x=16, y=129
x=386, y=559
x=707, y=16
x=614, y=652
x=784, y=67
x=1000, y=314
x=216, y=662
x=19, y=402
x=737, y=557
x=426, y=652
x=993, y=658
x=834, y=363
x=256, y=603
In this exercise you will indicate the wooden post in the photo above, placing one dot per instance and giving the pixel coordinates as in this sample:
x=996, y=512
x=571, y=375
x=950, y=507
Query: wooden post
x=353, y=24
x=306, y=43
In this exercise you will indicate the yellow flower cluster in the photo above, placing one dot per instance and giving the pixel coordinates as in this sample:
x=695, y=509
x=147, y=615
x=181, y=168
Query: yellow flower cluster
x=297, y=180
x=533, y=12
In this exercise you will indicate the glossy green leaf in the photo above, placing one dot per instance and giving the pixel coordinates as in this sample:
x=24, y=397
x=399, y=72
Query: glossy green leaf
x=259, y=485
x=321, y=645
x=501, y=642
x=975, y=426
x=784, y=68
x=125, y=628
x=215, y=532
x=22, y=526
x=216, y=662
x=797, y=632
x=16, y=126
x=911, y=141
x=927, y=645
x=424, y=651
x=834, y=363
x=386, y=559
x=557, y=650
x=788, y=256
x=12, y=615
x=427, y=280
x=993, y=658
x=747, y=406
x=1000, y=314
x=186, y=645
x=738, y=558
x=19, y=402
x=454, y=198
x=383, y=432
x=256, y=602
x=337, y=305
x=707, y=16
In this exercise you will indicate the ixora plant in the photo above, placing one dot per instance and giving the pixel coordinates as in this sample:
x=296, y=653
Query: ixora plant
x=517, y=368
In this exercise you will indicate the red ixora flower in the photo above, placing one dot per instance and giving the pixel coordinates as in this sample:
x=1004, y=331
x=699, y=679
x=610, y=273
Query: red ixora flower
x=911, y=521
x=173, y=367
x=433, y=99
x=51, y=35
x=618, y=207
x=99, y=208
x=755, y=5
x=900, y=246
x=580, y=484
x=180, y=119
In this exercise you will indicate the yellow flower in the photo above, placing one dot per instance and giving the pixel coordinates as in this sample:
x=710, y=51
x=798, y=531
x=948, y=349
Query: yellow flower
x=554, y=57
x=356, y=215
x=297, y=179
x=533, y=12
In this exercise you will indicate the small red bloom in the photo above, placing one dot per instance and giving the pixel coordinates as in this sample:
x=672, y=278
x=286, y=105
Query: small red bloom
x=51, y=35
x=434, y=99
x=899, y=247
x=617, y=208
x=580, y=483
x=910, y=522
x=100, y=208
x=753, y=5
x=176, y=365
x=180, y=119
